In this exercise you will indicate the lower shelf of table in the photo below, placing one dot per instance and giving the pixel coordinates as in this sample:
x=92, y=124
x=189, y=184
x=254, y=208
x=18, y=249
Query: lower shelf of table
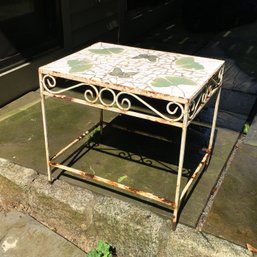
x=135, y=156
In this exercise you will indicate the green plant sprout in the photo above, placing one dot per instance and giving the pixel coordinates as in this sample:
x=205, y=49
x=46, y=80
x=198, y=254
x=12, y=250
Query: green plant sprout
x=246, y=128
x=102, y=249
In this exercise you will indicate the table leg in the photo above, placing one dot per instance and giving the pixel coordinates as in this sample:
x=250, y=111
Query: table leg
x=180, y=167
x=45, y=129
x=214, y=121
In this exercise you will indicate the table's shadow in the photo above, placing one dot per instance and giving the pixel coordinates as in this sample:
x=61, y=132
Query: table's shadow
x=159, y=150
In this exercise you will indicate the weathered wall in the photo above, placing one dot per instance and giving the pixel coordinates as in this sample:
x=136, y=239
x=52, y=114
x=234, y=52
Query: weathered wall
x=86, y=21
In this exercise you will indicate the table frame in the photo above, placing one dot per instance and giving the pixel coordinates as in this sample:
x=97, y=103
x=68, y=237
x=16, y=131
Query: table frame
x=187, y=110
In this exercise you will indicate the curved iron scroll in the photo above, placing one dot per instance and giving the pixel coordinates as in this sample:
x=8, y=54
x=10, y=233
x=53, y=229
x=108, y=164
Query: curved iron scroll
x=206, y=94
x=121, y=100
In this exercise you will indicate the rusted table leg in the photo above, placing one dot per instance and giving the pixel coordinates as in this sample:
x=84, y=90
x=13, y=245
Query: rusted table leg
x=180, y=167
x=214, y=121
x=49, y=174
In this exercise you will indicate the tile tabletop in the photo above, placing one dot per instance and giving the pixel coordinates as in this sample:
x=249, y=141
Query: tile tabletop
x=141, y=71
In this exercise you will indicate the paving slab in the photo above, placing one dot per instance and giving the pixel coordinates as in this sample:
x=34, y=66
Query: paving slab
x=22, y=236
x=234, y=214
x=22, y=103
x=141, y=162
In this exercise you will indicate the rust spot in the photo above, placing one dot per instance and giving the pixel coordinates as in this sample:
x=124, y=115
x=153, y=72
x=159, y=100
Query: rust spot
x=171, y=204
x=194, y=175
x=206, y=150
x=52, y=163
x=174, y=225
x=64, y=97
x=251, y=248
x=133, y=190
x=214, y=190
x=86, y=175
x=113, y=183
x=127, y=188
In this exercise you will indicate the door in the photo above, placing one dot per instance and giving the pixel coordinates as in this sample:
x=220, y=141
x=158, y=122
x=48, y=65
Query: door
x=27, y=28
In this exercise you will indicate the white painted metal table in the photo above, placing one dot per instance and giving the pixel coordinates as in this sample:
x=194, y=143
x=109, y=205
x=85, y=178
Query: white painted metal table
x=183, y=83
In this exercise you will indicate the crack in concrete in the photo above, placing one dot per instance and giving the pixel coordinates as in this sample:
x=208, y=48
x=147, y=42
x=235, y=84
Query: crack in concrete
x=1, y=238
x=207, y=240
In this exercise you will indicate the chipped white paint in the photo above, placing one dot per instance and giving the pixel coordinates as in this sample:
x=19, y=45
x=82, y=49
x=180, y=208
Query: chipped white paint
x=9, y=243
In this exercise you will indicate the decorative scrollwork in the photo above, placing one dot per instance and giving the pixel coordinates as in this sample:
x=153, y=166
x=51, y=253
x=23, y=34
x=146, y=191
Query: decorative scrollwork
x=194, y=107
x=49, y=82
x=200, y=100
x=220, y=75
x=136, y=157
x=101, y=99
x=91, y=94
x=177, y=112
x=209, y=90
x=121, y=100
x=207, y=93
x=177, y=108
x=125, y=103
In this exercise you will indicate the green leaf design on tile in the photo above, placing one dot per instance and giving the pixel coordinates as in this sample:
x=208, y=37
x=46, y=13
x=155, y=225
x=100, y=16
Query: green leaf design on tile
x=79, y=65
x=189, y=63
x=149, y=57
x=117, y=72
x=112, y=50
x=172, y=81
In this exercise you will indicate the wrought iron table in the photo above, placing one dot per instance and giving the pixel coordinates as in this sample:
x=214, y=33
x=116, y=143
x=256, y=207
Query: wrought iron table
x=183, y=83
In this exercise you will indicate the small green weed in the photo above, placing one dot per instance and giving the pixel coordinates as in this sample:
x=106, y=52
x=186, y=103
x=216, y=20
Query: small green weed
x=120, y=179
x=102, y=249
x=246, y=128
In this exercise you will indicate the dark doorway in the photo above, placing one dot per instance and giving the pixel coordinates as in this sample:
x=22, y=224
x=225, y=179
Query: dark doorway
x=27, y=28
x=137, y=4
